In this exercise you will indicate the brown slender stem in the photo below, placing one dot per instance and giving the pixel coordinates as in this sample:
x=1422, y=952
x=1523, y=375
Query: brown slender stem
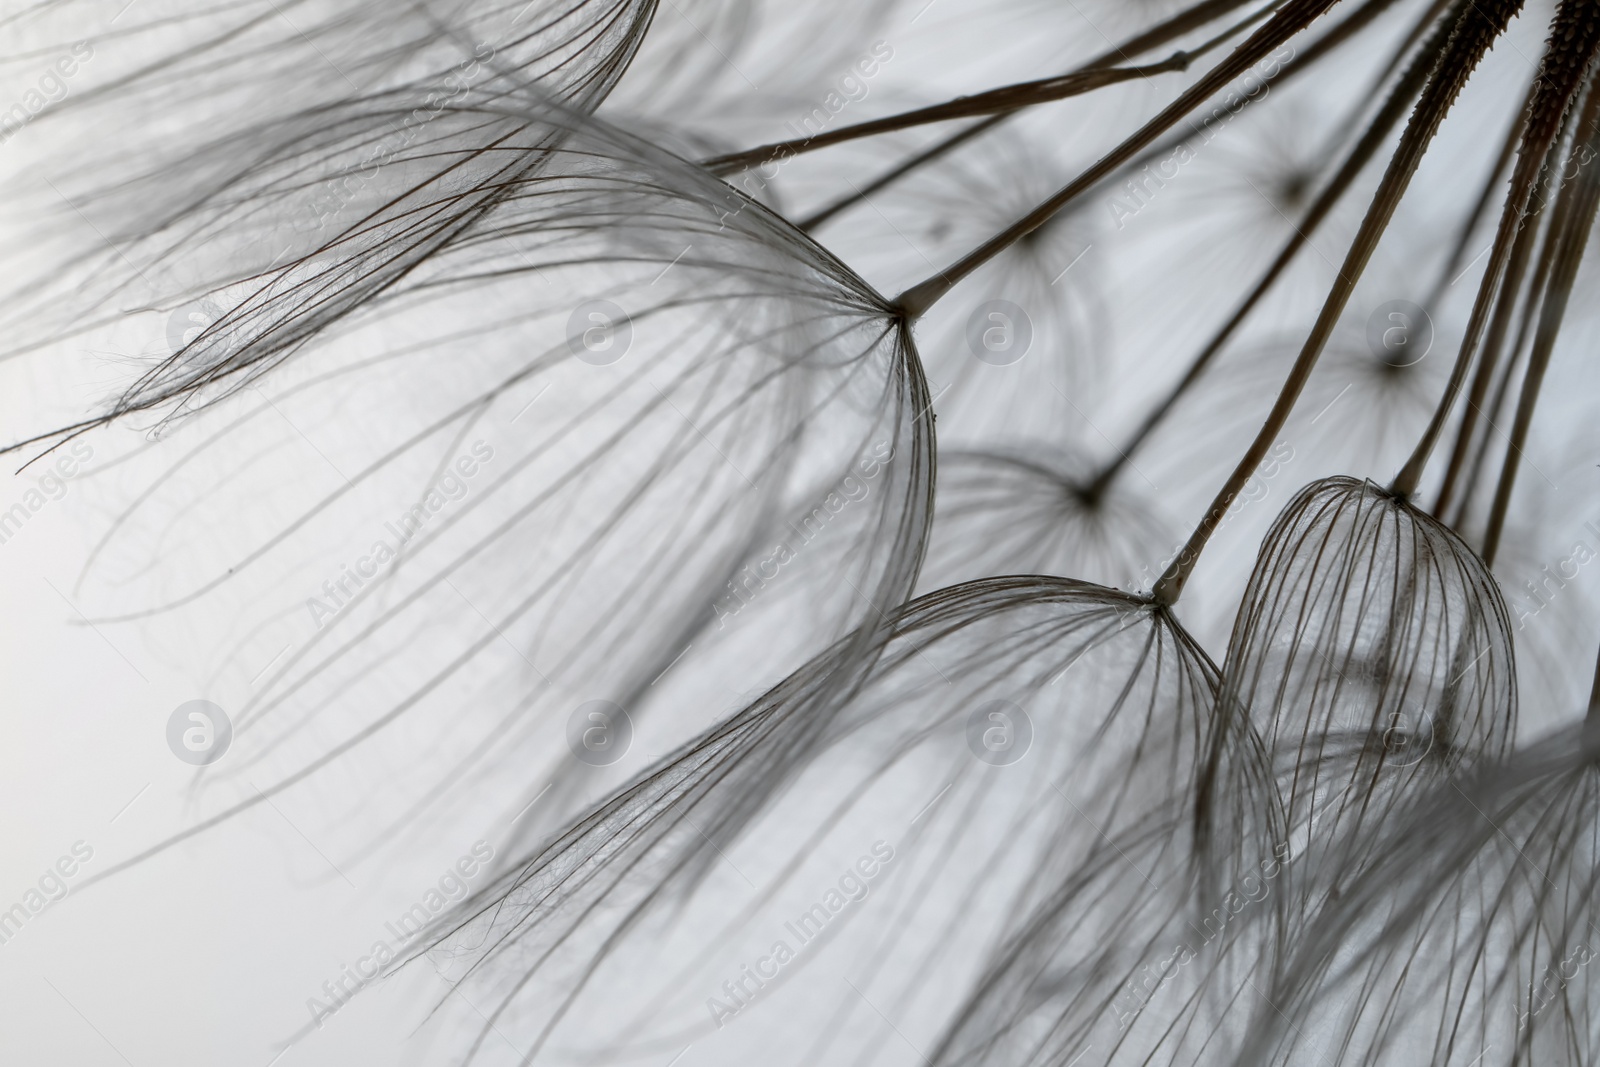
x=1594, y=695
x=1163, y=33
x=1456, y=264
x=1574, y=217
x=1356, y=160
x=1154, y=38
x=1480, y=455
x=1493, y=343
x=1397, y=56
x=1454, y=50
x=1495, y=351
x=1007, y=98
x=1574, y=37
x=1290, y=19
x=939, y=149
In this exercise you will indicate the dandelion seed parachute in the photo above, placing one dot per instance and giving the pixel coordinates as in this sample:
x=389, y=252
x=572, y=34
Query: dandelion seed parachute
x=1020, y=357
x=1023, y=746
x=1469, y=935
x=743, y=390
x=1372, y=655
x=357, y=142
x=716, y=74
x=1011, y=511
